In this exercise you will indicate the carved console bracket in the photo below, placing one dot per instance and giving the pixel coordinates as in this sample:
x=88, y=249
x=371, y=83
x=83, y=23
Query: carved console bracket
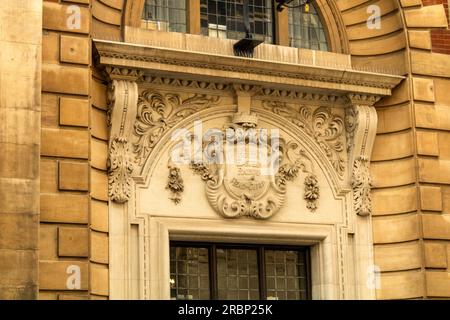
x=361, y=124
x=122, y=109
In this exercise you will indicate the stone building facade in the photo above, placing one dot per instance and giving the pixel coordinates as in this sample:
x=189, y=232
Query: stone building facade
x=93, y=205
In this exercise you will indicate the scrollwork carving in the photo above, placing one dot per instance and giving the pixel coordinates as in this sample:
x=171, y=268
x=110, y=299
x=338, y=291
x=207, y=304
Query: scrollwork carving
x=325, y=127
x=158, y=112
x=120, y=169
x=245, y=189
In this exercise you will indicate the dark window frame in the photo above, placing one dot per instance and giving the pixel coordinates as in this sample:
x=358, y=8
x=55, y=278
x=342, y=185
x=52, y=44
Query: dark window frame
x=213, y=246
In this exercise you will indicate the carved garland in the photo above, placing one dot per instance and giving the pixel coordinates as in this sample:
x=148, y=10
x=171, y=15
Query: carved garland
x=175, y=183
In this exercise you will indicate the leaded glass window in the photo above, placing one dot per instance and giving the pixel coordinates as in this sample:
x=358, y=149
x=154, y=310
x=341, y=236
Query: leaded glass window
x=165, y=15
x=305, y=28
x=238, y=272
x=225, y=19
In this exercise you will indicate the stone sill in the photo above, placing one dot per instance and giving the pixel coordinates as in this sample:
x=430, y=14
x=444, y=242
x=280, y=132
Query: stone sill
x=216, y=46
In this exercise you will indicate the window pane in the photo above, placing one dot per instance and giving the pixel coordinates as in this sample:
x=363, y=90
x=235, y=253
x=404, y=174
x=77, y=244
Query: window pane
x=305, y=28
x=285, y=275
x=237, y=274
x=189, y=273
x=224, y=19
x=165, y=15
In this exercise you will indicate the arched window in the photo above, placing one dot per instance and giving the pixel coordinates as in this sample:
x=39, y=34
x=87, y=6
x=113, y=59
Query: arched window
x=165, y=15
x=225, y=19
x=305, y=28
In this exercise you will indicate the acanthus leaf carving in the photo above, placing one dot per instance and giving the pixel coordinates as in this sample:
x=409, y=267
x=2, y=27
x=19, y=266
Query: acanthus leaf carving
x=361, y=185
x=120, y=168
x=158, y=112
x=321, y=124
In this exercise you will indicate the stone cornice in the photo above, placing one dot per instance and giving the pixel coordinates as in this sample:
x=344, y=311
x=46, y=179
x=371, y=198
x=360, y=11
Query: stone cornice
x=236, y=69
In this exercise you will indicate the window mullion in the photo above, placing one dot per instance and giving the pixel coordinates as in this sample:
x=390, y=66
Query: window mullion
x=262, y=274
x=213, y=272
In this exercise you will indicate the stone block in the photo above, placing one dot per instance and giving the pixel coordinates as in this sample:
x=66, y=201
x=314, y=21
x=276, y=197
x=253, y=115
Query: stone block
x=65, y=143
x=392, y=229
x=64, y=208
x=63, y=275
x=65, y=79
x=99, y=185
x=427, y=143
x=99, y=216
x=99, y=280
x=430, y=198
x=435, y=254
x=75, y=49
x=74, y=112
x=99, y=247
x=73, y=242
x=73, y=176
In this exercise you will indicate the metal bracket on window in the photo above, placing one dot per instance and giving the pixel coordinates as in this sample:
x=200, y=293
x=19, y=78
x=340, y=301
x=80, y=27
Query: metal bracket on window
x=245, y=47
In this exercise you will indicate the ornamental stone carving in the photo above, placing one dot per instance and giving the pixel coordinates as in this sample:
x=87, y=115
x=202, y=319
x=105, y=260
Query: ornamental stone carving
x=158, y=112
x=361, y=185
x=120, y=167
x=122, y=100
x=321, y=124
x=245, y=188
x=175, y=184
x=361, y=124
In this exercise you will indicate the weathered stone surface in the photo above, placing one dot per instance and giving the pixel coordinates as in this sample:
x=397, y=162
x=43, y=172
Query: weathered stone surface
x=99, y=128
x=393, y=173
x=99, y=154
x=73, y=176
x=401, y=285
x=99, y=280
x=423, y=89
x=393, y=229
x=430, y=198
x=99, y=216
x=99, y=247
x=436, y=226
x=75, y=49
x=64, y=208
x=73, y=242
x=435, y=254
x=385, y=201
x=65, y=79
x=438, y=283
x=48, y=242
x=65, y=143
x=400, y=256
x=99, y=183
x=427, y=143
x=74, y=112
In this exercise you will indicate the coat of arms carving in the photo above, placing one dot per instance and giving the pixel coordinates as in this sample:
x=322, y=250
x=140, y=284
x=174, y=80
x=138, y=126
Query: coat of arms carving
x=246, y=169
